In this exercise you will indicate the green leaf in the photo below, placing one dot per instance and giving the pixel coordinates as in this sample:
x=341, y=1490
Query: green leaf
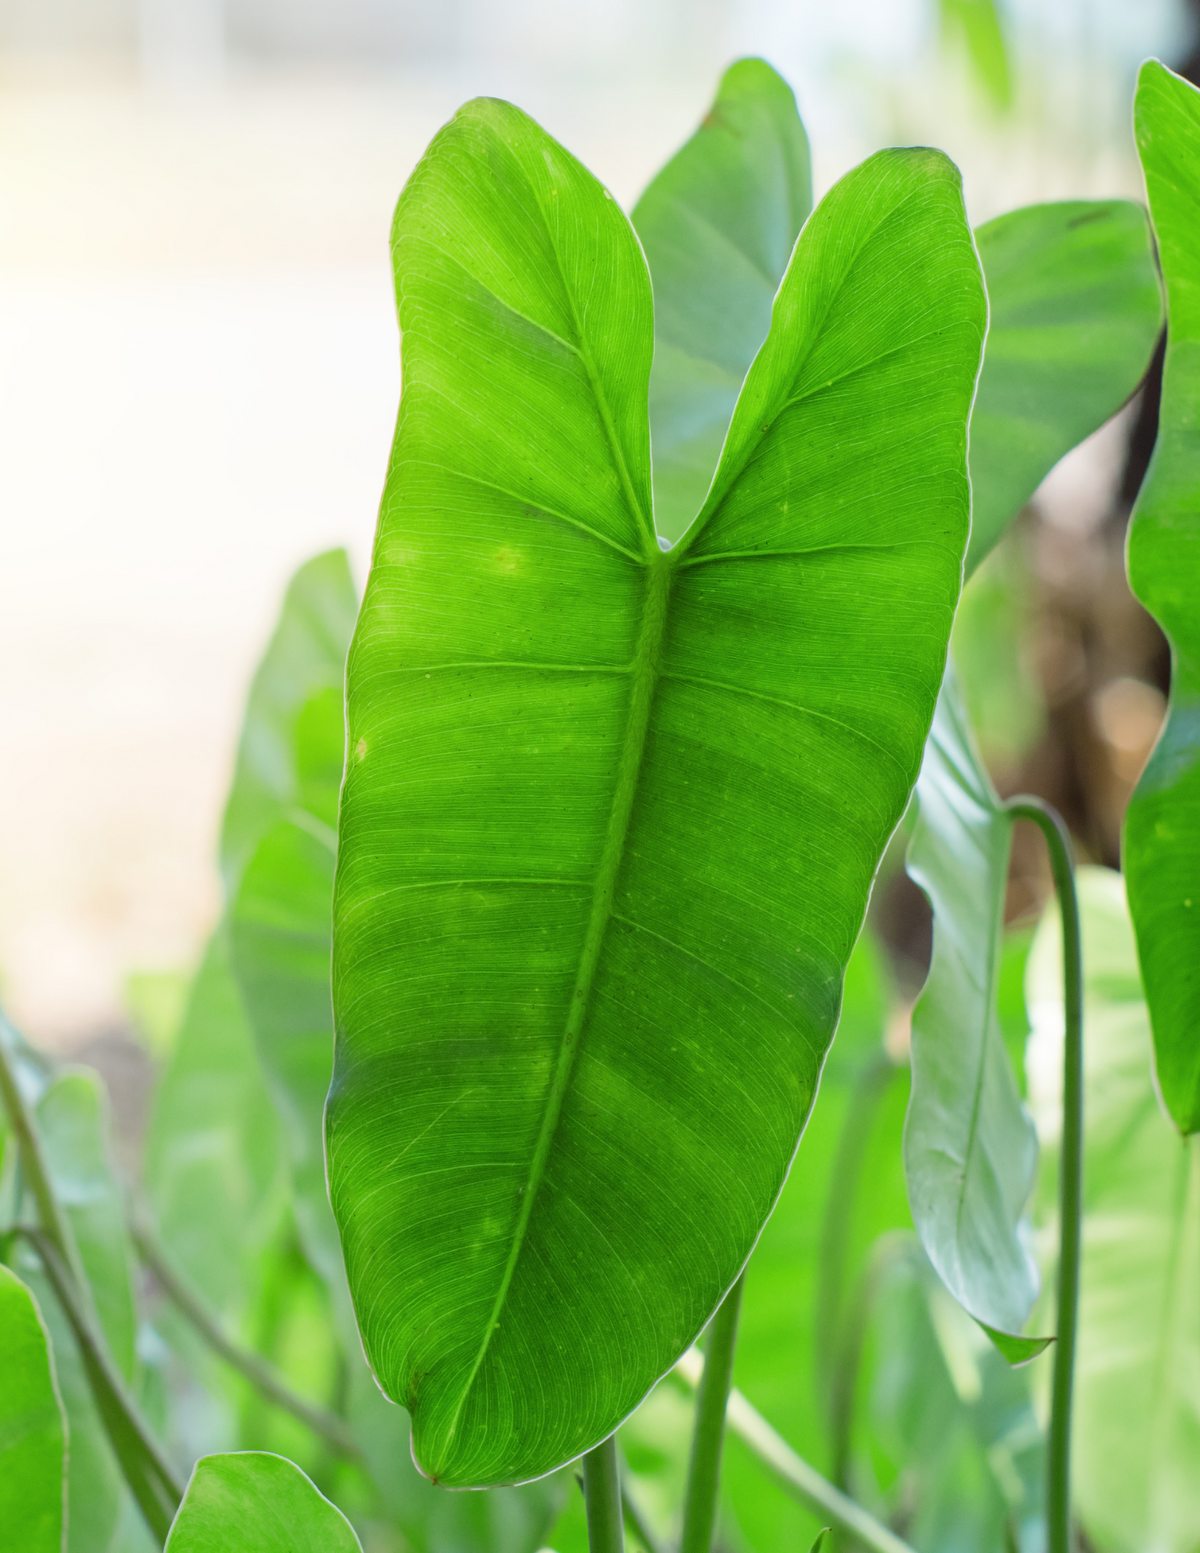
x=598, y=879
x=253, y=1500
x=1136, y=1437
x=976, y=24
x=970, y=1152
x=96, y=1491
x=290, y=754
x=148, y=1473
x=1074, y=314
x=845, y=1188
x=1162, y=826
x=717, y=226
x=214, y=1167
x=1075, y=311
x=280, y=931
x=32, y=1427
x=73, y=1119
x=947, y=1437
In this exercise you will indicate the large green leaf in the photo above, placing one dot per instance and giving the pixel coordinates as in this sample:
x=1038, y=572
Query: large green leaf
x=1162, y=829
x=279, y=929
x=970, y=1151
x=290, y=753
x=1137, y=1408
x=32, y=1427
x=1075, y=311
x=253, y=1500
x=600, y=868
x=717, y=226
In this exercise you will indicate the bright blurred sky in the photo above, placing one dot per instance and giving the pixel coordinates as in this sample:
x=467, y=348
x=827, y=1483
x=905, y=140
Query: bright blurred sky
x=201, y=366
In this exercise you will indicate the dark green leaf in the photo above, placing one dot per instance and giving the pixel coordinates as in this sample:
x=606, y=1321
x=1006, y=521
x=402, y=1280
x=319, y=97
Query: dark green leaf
x=593, y=786
x=717, y=225
x=32, y=1427
x=1136, y=1437
x=1162, y=829
x=1075, y=311
x=258, y=1502
x=969, y=1147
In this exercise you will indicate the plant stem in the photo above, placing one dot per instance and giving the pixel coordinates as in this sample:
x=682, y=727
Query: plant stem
x=1070, y=1209
x=602, y=1494
x=261, y=1375
x=151, y=1479
x=33, y=1161
x=792, y=1472
x=708, y=1433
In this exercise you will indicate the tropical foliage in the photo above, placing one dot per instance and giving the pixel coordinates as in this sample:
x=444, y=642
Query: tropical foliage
x=510, y=1067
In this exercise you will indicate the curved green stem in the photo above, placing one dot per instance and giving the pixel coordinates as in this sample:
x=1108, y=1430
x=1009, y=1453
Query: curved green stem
x=793, y=1474
x=33, y=1160
x=708, y=1433
x=1058, y=1464
x=261, y=1375
x=151, y=1479
x=602, y=1492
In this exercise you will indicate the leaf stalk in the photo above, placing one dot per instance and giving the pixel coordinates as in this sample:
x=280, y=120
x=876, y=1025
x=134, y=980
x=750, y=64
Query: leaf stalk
x=708, y=1433
x=602, y=1494
x=793, y=1474
x=1070, y=1210
x=151, y=1479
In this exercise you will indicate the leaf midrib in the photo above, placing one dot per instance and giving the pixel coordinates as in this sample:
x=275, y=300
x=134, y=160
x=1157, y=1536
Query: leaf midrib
x=644, y=674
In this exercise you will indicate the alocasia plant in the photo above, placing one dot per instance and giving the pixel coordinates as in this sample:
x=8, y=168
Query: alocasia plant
x=1162, y=831
x=612, y=809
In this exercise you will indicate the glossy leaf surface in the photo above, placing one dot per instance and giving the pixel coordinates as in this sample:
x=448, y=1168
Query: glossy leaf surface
x=1162, y=826
x=279, y=930
x=717, y=225
x=253, y=1500
x=1075, y=312
x=970, y=1151
x=1137, y=1408
x=611, y=817
x=32, y=1426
